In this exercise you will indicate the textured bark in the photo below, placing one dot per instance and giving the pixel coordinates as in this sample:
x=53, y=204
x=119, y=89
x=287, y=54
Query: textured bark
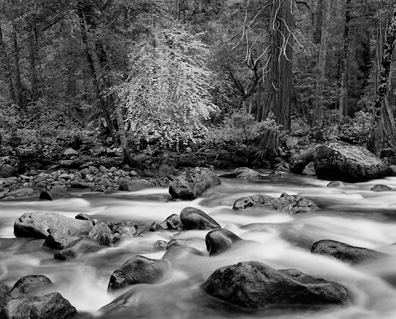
x=5, y=63
x=18, y=81
x=33, y=48
x=321, y=66
x=278, y=80
x=343, y=102
x=383, y=131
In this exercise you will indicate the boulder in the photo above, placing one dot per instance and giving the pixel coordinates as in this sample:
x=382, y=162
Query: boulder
x=298, y=162
x=29, y=285
x=37, y=224
x=335, y=184
x=219, y=240
x=7, y=170
x=49, y=306
x=255, y=285
x=101, y=233
x=348, y=163
x=381, y=188
x=54, y=192
x=193, y=182
x=346, y=253
x=25, y=192
x=5, y=296
x=70, y=152
x=194, y=218
x=242, y=173
x=133, y=185
x=77, y=248
x=172, y=222
x=58, y=240
x=174, y=253
x=290, y=204
x=138, y=270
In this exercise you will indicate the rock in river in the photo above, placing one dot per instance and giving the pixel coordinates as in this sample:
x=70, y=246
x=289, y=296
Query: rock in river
x=138, y=270
x=255, y=285
x=194, y=218
x=37, y=224
x=344, y=252
x=193, y=182
x=219, y=240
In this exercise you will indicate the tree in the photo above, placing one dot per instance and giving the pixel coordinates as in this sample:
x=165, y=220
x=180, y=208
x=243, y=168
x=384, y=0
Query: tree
x=383, y=131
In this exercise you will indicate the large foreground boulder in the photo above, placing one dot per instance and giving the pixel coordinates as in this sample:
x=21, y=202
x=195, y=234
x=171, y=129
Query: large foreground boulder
x=348, y=163
x=290, y=204
x=40, y=225
x=346, y=253
x=138, y=270
x=30, y=284
x=193, y=182
x=254, y=285
x=49, y=306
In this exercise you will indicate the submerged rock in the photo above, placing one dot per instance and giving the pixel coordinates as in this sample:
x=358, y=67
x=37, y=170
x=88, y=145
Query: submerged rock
x=344, y=252
x=255, y=285
x=220, y=240
x=37, y=224
x=242, y=173
x=29, y=285
x=290, y=204
x=381, y=188
x=193, y=182
x=77, y=248
x=138, y=270
x=194, y=218
x=348, y=163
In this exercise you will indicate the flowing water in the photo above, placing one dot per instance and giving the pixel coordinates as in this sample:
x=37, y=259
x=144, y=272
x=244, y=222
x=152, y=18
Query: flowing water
x=352, y=214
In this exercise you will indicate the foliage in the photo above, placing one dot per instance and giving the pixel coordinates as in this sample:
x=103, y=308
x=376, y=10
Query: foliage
x=167, y=93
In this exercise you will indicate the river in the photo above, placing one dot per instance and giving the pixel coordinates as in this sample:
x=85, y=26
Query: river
x=352, y=214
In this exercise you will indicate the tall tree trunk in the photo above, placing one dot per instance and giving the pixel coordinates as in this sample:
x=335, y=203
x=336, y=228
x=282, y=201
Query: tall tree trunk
x=321, y=66
x=383, y=131
x=32, y=45
x=123, y=138
x=5, y=63
x=18, y=81
x=343, y=102
x=278, y=80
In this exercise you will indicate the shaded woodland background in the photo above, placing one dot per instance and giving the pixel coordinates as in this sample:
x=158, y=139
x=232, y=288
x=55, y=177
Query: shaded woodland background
x=171, y=74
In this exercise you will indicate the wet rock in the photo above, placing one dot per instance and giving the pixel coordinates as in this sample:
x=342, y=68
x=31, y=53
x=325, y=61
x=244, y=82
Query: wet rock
x=220, y=240
x=49, y=306
x=5, y=296
x=101, y=233
x=25, y=192
x=242, y=173
x=346, y=253
x=255, y=285
x=298, y=162
x=196, y=243
x=37, y=224
x=193, y=182
x=133, y=185
x=58, y=240
x=194, y=218
x=290, y=204
x=172, y=222
x=77, y=248
x=161, y=244
x=54, y=192
x=348, y=163
x=79, y=184
x=335, y=184
x=381, y=188
x=29, y=285
x=138, y=270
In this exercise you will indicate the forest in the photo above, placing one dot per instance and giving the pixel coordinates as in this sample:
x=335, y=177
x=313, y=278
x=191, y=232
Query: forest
x=153, y=76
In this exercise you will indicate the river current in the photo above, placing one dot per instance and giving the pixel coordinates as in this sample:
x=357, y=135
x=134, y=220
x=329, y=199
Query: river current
x=352, y=214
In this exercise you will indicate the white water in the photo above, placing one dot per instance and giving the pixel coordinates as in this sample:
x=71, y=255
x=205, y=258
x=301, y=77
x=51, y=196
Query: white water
x=352, y=214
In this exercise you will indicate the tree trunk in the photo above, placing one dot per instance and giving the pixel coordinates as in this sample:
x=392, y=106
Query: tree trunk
x=383, y=131
x=278, y=79
x=32, y=45
x=317, y=116
x=18, y=81
x=343, y=102
x=123, y=138
x=5, y=63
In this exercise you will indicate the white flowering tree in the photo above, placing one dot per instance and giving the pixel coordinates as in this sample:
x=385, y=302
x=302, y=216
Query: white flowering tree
x=167, y=93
